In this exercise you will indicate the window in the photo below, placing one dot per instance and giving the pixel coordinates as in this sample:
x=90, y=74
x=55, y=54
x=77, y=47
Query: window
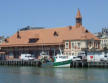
x=72, y=45
x=70, y=27
x=63, y=57
x=55, y=34
x=6, y=40
x=73, y=54
x=18, y=35
x=79, y=45
x=78, y=20
x=33, y=40
x=67, y=45
x=86, y=31
x=96, y=45
x=101, y=41
x=69, y=53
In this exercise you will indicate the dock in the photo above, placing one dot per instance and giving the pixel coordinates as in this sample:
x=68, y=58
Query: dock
x=21, y=63
x=37, y=63
x=84, y=64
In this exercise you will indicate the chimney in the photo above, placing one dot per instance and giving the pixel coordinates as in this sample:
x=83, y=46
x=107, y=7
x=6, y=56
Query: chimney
x=70, y=27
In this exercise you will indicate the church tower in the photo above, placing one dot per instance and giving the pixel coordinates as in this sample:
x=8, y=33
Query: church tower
x=78, y=19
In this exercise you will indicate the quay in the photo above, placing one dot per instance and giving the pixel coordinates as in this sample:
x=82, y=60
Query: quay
x=84, y=64
x=37, y=63
x=20, y=63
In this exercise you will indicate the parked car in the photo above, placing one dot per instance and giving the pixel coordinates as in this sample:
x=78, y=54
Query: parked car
x=82, y=56
x=105, y=58
x=27, y=57
x=44, y=55
x=76, y=58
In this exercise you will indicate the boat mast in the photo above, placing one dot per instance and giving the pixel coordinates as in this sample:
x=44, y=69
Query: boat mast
x=60, y=50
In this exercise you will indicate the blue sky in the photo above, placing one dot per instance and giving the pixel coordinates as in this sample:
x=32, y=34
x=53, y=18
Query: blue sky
x=16, y=14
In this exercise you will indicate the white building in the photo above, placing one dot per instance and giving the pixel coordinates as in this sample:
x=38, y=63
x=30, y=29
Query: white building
x=80, y=39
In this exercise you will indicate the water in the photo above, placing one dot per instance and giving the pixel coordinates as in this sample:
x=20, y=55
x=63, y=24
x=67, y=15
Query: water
x=9, y=74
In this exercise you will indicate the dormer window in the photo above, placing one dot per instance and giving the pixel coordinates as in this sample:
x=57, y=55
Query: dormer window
x=33, y=40
x=70, y=27
x=18, y=35
x=6, y=40
x=86, y=31
x=55, y=33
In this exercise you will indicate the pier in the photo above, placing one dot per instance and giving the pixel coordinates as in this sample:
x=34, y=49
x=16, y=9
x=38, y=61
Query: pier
x=37, y=63
x=76, y=64
x=20, y=63
x=82, y=64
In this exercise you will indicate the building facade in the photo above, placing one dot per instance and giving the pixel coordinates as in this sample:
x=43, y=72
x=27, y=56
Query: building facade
x=81, y=40
x=71, y=39
x=104, y=42
x=103, y=36
x=2, y=38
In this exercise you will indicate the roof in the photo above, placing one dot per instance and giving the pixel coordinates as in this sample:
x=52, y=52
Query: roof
x=78, y=14
x=50, y=36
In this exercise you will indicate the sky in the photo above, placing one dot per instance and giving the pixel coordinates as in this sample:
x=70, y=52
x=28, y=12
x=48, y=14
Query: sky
x=17, y=14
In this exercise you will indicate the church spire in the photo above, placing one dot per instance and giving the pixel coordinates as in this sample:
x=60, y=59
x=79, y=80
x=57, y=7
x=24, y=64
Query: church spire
x=78, y=19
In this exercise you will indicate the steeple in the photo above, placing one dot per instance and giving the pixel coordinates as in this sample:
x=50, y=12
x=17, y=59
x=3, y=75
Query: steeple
x=78, y=19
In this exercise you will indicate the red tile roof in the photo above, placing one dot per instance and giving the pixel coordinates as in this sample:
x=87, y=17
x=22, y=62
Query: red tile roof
x=51, y=36
x=47, y=37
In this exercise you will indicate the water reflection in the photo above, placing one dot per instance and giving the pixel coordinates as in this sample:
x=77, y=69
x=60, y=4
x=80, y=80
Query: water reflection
x=46, y=75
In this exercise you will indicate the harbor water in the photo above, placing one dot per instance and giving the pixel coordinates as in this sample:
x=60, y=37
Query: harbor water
x=12, y=74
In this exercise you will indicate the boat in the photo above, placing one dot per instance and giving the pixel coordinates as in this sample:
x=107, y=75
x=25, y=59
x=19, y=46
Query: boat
x=62, y=60
x=44, y=55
